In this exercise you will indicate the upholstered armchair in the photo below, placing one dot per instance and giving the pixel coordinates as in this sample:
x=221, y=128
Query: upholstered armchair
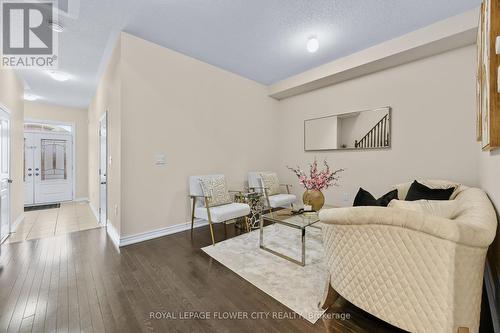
x=417, y=271
x=269, y=185
x=212, y=202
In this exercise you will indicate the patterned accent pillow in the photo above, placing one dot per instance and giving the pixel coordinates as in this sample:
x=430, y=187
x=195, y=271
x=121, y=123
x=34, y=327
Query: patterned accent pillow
x=271, y=182
x=216, y=189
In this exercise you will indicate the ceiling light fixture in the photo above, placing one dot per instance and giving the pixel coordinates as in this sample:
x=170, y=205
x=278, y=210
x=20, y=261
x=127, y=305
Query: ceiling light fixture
x=56, y=26
x=58, y=76
x=30, y=97
x=312, y=44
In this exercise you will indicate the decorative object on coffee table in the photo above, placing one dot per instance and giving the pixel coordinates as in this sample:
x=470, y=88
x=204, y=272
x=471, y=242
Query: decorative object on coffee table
x=317, y=181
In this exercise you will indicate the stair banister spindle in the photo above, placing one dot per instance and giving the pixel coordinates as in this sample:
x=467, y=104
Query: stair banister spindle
x=377, y=137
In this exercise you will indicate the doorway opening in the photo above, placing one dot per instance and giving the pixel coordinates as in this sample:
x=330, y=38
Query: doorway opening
x=49, y=171
x=103, y=169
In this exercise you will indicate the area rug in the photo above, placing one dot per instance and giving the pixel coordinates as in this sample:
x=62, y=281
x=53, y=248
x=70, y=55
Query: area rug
x=299, y=288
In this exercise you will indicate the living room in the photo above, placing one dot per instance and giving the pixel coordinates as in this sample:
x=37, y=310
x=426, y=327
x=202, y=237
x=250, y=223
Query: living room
x=174, y=115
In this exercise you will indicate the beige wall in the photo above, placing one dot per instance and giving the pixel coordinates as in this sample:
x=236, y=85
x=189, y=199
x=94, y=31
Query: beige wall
x=433, y=103
x=11, y=96
x=489, y=180
x=107, y=98
x=42, y=111
x=204, y=119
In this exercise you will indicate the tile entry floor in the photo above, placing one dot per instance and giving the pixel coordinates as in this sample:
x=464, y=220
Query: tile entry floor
x=70, y=217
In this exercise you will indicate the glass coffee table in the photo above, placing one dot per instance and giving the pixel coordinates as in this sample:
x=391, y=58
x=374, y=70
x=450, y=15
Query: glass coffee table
x=285, y=217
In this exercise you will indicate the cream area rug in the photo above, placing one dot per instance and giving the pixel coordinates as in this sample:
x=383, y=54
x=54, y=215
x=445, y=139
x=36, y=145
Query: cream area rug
x=299, y=288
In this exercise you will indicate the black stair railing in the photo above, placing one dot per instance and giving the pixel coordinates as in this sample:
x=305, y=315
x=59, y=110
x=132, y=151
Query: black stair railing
x=377, y=137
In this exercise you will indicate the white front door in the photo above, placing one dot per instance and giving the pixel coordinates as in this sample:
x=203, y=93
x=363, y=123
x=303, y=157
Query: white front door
x=48, y=168
x=4, y=174
x=103, y=169
x=29, y=170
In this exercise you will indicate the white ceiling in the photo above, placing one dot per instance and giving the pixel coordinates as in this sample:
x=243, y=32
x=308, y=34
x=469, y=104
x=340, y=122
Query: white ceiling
x=263, y=40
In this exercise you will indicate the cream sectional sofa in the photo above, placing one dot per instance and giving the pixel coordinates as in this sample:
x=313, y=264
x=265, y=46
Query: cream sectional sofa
x=419, y=272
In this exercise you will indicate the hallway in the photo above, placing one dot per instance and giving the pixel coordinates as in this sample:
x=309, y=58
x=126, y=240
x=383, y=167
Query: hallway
x=70, y=217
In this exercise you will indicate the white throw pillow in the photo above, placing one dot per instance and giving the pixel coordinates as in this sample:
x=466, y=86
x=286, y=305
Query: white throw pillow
x=442, y=208
x=271, y=182
x=216, y=189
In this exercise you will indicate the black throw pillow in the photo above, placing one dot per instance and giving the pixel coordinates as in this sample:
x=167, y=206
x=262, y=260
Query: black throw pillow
x=365, y=198
x=419, y=191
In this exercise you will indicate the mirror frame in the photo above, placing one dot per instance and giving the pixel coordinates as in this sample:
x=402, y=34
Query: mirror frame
x=389, y=109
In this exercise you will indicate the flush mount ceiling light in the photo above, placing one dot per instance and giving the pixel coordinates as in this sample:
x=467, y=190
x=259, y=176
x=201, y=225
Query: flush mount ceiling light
x=56, y=26
x=58, y=76
x=30, y=97
x=312, y=44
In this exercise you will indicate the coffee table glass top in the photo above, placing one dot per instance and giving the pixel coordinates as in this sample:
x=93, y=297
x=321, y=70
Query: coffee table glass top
x=284, y=216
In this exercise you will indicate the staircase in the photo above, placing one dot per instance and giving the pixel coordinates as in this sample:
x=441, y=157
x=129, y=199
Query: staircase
x=377, y=137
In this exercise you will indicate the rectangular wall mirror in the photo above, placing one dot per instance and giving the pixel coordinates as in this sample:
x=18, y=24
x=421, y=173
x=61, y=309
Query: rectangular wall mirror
x=368, y=129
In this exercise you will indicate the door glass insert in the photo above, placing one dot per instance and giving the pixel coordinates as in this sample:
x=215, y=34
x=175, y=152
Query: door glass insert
x=53, y=160
x=47, y=128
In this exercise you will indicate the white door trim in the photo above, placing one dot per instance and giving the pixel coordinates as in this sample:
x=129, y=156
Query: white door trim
x=73, y=140
x=101, y=118
x=4, y=108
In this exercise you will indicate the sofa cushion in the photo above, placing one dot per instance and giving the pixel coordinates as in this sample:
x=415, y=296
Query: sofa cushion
x=215, y=188
x=224, y=212
x=446, y=209
x=365, y=198
x=282, y=200
x=419, y=191
x=431, y=183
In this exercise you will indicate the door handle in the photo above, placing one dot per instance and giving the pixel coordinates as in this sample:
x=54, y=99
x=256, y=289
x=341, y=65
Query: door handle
x=29, y=169
x=30, y=174
x=103, y=183
x=9, y=181
x=36, y=169
x=37, y=174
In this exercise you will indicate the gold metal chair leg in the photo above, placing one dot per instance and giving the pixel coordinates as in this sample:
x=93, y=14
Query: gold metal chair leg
x=192, y=216
x=207, y=204
x=211, y=229
x=247, y=224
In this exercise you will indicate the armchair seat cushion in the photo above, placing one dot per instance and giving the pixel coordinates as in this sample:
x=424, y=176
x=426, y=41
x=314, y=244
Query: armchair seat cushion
x=224, y=212
x=281, y=200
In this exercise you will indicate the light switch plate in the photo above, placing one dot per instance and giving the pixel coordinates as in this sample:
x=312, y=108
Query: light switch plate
x=160, y=159
x=497, y=44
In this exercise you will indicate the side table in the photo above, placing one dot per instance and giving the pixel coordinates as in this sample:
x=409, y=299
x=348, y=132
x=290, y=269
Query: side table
x=254, y=200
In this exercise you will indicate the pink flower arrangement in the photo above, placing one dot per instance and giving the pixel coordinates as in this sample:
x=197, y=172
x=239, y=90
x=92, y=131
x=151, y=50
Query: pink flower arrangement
x=317, y=180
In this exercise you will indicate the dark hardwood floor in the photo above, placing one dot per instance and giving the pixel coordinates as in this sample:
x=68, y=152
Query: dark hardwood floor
x=80, y=282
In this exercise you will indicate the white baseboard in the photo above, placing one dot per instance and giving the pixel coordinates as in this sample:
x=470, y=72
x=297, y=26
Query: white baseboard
x=95, y=212
x=16, y=223
x=113, y=234
x=128, y=240
x=81, y=199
